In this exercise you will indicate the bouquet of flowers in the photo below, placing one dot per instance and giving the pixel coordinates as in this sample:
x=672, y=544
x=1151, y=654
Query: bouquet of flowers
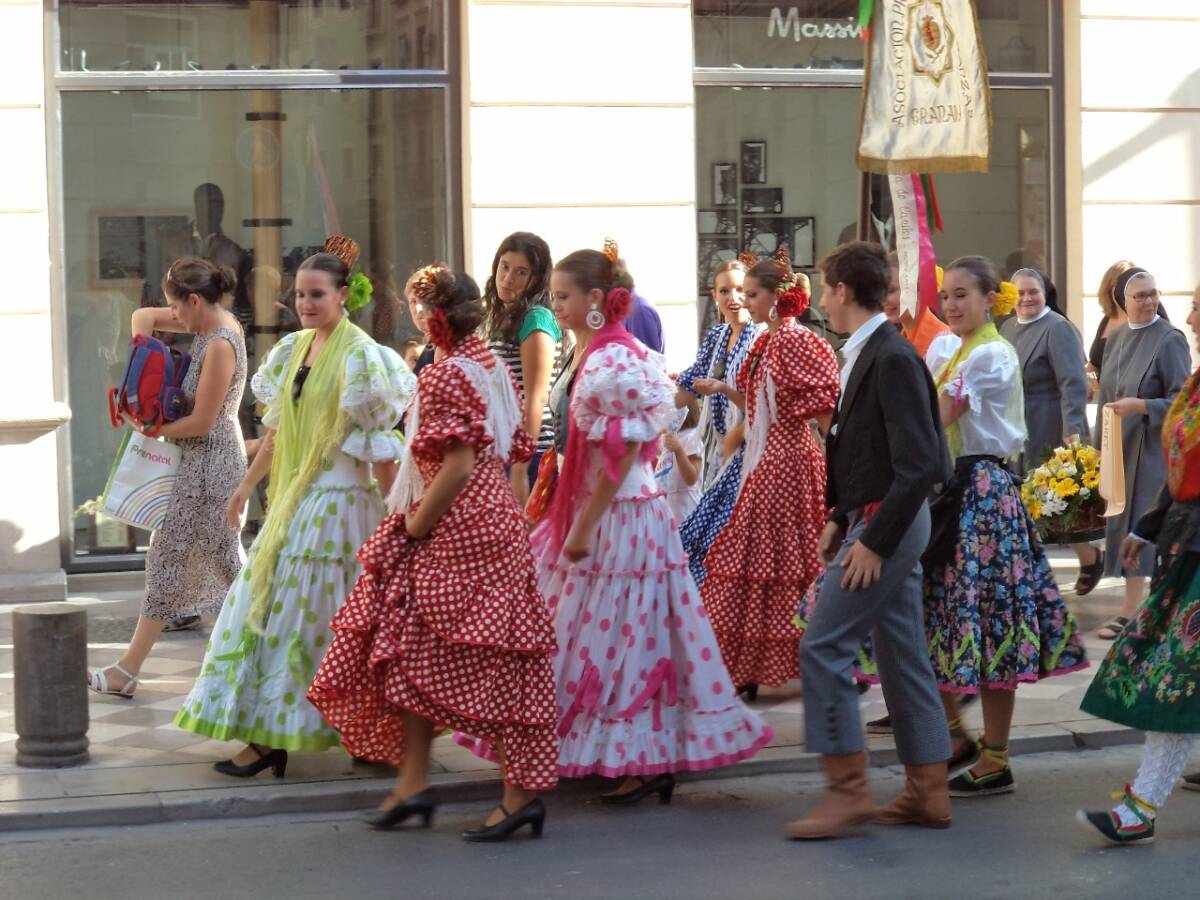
x=1062, y=494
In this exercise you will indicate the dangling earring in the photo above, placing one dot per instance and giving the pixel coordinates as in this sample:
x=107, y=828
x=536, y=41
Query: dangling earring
x=595, y=318
x=773, y=314
x=345, y=310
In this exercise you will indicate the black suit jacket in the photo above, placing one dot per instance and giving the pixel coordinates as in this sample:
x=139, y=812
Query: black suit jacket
x=888, y=446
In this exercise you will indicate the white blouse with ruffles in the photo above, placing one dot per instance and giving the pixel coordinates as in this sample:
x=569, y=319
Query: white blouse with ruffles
x=990, y=380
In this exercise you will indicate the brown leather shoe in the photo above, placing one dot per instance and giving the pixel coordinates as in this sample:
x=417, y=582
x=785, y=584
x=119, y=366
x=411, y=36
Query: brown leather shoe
x=925, y=799
x=846, y=802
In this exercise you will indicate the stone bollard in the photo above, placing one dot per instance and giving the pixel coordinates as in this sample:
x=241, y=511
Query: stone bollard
x=50, y=685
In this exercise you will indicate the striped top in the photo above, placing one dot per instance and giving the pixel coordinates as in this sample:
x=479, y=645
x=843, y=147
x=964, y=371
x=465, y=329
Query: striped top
x=539, y=318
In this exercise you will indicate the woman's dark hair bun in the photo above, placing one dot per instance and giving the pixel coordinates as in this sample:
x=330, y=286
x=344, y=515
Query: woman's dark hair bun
x=455, y=295
x=193, y=275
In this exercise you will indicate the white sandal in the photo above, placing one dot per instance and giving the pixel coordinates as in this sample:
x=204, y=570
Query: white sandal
x=98, y=682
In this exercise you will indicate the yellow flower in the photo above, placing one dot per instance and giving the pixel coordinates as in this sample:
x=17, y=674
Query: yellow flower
x=1035, y=508
x=1091, y=480
x=1066, y=488
x=1006, y=299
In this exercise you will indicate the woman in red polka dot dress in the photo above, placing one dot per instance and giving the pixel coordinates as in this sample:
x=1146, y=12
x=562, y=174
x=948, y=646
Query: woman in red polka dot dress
x=763, y=561
x=446, y=627
x=641, y=689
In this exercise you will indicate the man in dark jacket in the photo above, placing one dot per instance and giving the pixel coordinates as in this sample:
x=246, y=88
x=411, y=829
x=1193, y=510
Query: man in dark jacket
x=885, y=453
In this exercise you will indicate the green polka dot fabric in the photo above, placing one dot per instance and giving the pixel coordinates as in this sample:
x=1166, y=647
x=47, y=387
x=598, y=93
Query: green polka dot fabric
x=253, y=686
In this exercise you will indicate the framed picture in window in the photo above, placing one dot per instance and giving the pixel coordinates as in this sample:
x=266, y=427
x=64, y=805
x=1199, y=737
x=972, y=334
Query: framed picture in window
x=754, y=162
x=724, y=184
x=762, y=202
x=131, y=245
x=763, y=235
x=713, y=250
x=717, y=221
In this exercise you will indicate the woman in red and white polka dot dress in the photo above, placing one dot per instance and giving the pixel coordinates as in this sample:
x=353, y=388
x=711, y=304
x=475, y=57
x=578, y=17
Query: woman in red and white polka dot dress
x=764, y=560
x=446, y=626
x=641, y=689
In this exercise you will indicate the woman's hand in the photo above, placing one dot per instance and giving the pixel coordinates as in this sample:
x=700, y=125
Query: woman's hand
x=671, y=442
x=579, y=543
x=706, y=387
x=1131, y=551
x=415, y=526
x=1128, y=406
x=237, y=507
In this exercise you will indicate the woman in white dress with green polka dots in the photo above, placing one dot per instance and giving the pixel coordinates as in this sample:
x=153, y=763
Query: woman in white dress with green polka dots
x=333, y=397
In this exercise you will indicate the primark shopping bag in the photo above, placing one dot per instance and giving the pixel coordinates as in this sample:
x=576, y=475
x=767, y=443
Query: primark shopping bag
x=140, y=483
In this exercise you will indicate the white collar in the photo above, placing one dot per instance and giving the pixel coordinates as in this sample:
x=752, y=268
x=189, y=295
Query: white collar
x=1045, y=311
x=1140, y=325
x=862, y=334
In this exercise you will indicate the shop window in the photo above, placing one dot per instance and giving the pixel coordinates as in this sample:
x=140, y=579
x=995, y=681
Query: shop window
x=255, y=180
x=215, y=35
x=774, y=165
x=823, y=34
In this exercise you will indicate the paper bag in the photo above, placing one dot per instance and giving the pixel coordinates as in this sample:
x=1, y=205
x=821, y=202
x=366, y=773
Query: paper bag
x=1112, y=464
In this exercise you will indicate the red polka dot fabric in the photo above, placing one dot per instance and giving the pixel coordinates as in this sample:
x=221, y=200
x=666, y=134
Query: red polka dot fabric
x=765, y=558
x=451, y=627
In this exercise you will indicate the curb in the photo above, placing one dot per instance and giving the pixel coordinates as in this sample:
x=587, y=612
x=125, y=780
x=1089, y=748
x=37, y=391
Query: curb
x=349, y=795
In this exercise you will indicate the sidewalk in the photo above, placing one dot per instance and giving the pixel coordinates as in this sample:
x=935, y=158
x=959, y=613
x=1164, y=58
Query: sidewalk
x=143, y=769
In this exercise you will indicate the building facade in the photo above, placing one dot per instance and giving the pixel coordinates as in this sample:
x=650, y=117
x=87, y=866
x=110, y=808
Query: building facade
x=247, y=130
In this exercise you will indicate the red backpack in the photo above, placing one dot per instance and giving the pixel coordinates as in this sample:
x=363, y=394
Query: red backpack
x=151, y=391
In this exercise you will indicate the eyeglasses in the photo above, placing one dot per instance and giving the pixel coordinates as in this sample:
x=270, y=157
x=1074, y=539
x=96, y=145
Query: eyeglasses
x=1145, y=296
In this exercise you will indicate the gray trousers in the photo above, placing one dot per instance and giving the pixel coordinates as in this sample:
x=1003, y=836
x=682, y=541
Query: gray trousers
x=892, y=612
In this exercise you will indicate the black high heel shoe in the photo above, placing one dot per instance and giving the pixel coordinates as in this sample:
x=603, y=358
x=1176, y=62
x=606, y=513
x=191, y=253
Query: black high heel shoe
x=748, y=692
x=275, y=759
x=422, y=804
x=663, y=785
x=532, y=814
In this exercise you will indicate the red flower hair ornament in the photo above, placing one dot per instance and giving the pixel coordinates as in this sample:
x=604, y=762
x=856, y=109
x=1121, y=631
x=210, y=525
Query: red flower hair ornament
x=792, y=302
x=440, y=332
x=616, y=304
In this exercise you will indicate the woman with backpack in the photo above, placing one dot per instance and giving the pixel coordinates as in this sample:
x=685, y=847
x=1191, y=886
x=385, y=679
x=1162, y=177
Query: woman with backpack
x=196, y=554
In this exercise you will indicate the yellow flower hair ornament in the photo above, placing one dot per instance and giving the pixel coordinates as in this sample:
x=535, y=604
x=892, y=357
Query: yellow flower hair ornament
x=1006, y=300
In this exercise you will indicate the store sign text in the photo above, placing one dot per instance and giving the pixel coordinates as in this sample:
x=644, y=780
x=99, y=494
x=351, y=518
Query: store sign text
x=779, y=25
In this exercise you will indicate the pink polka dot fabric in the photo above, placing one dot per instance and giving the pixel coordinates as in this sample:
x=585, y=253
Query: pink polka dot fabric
x=451, y=627
x=640, y=685
x=765, y=558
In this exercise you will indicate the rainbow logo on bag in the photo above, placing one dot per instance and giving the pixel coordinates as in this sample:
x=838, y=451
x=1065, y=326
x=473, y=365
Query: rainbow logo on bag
x=147, y=504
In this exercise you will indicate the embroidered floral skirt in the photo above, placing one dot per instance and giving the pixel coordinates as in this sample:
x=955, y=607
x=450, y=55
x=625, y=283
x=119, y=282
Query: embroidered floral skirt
x=1150, y=678
x=994, y=616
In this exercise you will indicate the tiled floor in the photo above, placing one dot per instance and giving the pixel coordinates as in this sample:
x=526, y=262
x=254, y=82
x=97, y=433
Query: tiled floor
x=135, y=748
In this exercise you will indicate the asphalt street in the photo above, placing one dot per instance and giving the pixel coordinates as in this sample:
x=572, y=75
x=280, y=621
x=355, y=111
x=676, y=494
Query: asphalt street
x=719, y=839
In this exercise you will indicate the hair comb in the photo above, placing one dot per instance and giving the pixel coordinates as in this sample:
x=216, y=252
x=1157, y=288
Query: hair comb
x=344, y=248
x=747, y=259
x=610, y=250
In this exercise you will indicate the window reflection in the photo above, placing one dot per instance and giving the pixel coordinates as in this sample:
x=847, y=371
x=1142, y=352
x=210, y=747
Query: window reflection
x=208, y=35
x=251, y=179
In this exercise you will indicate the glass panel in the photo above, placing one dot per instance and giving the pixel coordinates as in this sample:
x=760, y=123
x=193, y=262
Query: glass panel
x=774, y=164
x=203, y=35
x=823, y=34
x=255, y=180
x=1003, y=215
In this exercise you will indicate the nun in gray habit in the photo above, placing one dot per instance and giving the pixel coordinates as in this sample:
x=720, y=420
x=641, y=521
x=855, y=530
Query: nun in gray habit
x=1145, y=364
x=1053, y=369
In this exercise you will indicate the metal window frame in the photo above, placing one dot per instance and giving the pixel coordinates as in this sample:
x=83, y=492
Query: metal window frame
x=448, y=79
x=1050, y=82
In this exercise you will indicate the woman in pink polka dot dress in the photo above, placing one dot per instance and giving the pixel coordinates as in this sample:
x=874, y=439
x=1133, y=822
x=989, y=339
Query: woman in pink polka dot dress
x=641, y=689
x=446, y=626
x=764, y=560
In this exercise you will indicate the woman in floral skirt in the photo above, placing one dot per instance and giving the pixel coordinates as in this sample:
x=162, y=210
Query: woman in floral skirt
x=1150, y=679
x=446, y=626
x=332, y=398
x=713, y=377
x=765, y=559
x=641, y=689
x=993, y=615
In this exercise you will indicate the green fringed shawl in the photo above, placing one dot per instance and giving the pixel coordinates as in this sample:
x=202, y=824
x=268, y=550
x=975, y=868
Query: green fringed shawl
x=310, y=429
